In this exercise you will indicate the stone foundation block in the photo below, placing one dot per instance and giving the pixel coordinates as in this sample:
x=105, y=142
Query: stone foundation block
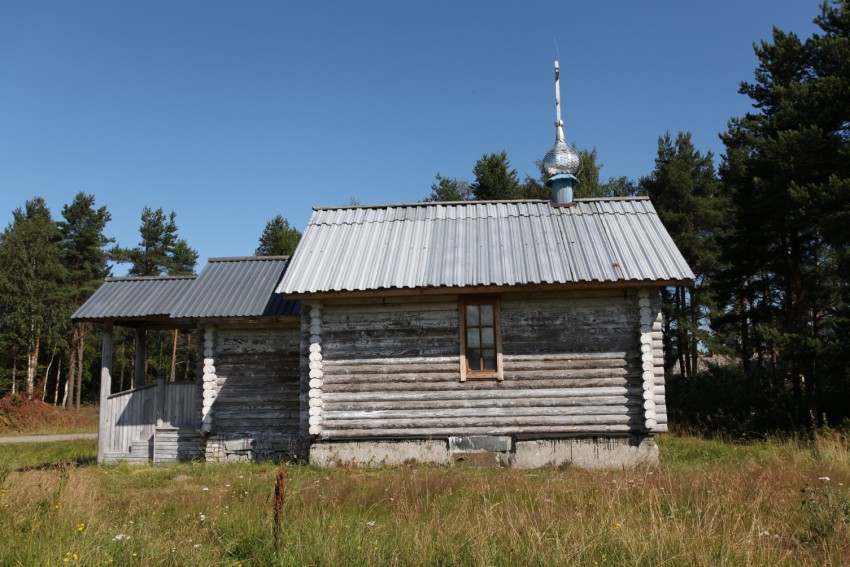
x=377, y=453
x=592, y=453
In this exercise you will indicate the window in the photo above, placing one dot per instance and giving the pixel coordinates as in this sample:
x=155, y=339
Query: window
x=480, y=339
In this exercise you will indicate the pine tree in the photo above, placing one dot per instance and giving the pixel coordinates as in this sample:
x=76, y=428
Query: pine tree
x=278, y=238
x=787, y=168
x=31, y=282
x=588, y=176
x=85, y=258
x=685, y=191
x=448, y=189
x=160, y=251
x=494, y=178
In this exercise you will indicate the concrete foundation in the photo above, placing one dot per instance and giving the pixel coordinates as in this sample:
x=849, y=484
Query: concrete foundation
x=593, y=453
x=221, y=449
x=492, y=451
x=376, y=453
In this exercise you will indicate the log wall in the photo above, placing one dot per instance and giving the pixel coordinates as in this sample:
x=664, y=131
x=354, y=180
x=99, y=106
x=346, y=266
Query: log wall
x=390, y=368
x=255, y=408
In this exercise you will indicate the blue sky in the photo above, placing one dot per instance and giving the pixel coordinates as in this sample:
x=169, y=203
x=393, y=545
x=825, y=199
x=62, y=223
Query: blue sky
x=229, y=113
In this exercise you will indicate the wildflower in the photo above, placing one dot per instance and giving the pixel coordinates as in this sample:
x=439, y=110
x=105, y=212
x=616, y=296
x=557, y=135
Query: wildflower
x=81, y=527
x=202, y=517
x=135, y=554
x=205, y=489
x=370, y=524
x=618, y=525
x=56, y=507
x=823, y=479
x=197, y=545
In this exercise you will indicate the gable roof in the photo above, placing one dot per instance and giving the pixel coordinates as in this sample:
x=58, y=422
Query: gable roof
x=226, y=287
x=237, y=287
x=483, y=243
x=134, y=298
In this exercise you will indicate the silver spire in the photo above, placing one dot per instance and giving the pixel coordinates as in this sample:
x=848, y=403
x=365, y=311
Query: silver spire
x=562, y=158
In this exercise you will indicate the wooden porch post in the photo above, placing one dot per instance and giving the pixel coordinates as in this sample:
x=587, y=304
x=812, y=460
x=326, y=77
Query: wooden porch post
x=105, y=420
x=141, y=356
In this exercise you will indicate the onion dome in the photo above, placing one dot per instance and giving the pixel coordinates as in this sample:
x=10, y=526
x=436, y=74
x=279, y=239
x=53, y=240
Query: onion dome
x=562, y=158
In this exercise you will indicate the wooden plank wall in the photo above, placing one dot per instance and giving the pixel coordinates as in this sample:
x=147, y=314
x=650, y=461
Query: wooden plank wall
x=257, y=379
x=133, y=415
x=180, y=406
x=571, y=366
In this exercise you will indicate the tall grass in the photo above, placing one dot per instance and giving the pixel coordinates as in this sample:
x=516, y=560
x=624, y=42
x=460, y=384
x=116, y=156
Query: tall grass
x=708, y=503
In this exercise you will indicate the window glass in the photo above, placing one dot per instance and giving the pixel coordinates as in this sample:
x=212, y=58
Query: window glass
x=487, y=315
x=471, y=315
x=474, y=357
x=488, y=338
x=472, y=338
x=488, y=359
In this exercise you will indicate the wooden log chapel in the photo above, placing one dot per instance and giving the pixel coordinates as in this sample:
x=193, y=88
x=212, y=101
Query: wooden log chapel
x=505, y=333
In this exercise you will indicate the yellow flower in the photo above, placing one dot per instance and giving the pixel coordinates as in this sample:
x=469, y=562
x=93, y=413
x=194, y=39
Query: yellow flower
x=81, y=527
x=75, y=557
x=135, y=554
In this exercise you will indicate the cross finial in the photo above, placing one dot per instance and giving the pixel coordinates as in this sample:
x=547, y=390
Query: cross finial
x=559, y=124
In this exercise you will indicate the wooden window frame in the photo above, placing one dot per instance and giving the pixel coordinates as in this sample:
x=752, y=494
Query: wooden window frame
x=465, y=372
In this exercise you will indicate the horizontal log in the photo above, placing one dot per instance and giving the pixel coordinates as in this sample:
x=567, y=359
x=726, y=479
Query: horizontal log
x=431, y=432
x=472, y=394
x=483, y=421
x=425, y=404
x=575, y=355
x=353, y=351
x=340, y=369
x=390, y=361
x=414, y=416
x=554, y=365
x=393, y=377
x=507, y=384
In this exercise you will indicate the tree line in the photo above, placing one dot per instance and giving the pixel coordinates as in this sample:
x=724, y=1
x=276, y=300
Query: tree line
x=762, y=339
x=50, y=267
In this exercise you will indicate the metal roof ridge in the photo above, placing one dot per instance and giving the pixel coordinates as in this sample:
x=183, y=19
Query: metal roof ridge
x=245, y=258
x=428, y=204
x=147, y=278
x=632, y=198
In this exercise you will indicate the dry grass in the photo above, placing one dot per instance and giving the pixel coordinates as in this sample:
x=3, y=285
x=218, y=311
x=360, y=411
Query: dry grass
x=20, y=416
x=709, y=503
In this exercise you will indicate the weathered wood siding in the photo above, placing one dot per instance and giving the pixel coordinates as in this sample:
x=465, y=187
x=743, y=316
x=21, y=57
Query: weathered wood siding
x=135, y=413
x=572, y=365
x=257, y=387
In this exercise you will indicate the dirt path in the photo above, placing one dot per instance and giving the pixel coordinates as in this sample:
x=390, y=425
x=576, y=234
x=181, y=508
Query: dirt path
x=43, y=438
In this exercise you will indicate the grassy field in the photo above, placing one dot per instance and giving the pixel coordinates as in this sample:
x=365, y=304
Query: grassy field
x=709, y=503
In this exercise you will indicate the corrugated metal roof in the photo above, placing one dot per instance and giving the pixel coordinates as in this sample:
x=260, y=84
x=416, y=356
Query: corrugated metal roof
x=483, y=243
x=237, y=287
x=134, y=298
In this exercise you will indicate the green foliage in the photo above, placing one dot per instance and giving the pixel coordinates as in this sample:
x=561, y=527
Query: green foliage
x=685, y=191
x=278, y=238
x=448, y=189
x=160, y=251
x=588, y=176
x=32, y=280
x=83, y=245
x=785, y=281
x=494, y=178
x=724, y=400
